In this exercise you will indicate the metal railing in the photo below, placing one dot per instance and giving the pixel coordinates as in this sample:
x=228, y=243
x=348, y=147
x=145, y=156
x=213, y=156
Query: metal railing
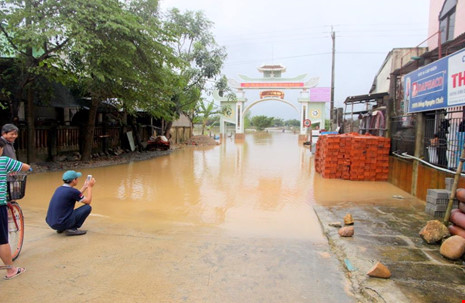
x=403, y=134
x=444, y=139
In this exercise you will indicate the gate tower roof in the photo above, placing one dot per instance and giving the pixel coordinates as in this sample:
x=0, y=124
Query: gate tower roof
x=272, y=67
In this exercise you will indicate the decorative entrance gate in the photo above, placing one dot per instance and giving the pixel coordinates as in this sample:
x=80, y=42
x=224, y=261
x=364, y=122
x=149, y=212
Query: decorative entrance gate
x=312, y=99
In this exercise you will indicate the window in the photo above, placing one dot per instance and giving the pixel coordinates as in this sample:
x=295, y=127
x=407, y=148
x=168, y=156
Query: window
x=447, y=20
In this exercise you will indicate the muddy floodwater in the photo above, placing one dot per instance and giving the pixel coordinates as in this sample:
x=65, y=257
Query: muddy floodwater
x=226, y=223
x=260, y=187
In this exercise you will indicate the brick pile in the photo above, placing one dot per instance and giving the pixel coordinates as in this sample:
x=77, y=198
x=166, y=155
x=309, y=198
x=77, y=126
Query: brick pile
x=353, y=157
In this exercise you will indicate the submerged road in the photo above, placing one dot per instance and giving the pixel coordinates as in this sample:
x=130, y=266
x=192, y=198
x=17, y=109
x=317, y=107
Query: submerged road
x=227, y=223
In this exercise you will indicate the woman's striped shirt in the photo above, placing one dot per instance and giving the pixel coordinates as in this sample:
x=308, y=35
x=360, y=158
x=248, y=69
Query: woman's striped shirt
x=7, y=165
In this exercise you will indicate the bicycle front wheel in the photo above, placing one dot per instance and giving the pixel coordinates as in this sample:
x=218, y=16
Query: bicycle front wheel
x=15, y=229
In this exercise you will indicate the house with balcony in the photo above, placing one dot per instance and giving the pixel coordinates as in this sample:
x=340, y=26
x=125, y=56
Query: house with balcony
x=420, y=93
x=426, y=107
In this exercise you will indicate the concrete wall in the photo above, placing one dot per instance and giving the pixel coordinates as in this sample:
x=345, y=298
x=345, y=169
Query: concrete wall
x=459, y=19
x=394, y=60
x=382, y=81
x=433, y=27
x=183, y=121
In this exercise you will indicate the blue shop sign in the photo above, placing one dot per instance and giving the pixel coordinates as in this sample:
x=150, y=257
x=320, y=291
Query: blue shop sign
x=438, y=85
x=426, y=88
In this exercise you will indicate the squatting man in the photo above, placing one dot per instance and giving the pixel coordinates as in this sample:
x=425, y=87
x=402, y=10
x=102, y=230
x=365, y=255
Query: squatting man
x=61, y=215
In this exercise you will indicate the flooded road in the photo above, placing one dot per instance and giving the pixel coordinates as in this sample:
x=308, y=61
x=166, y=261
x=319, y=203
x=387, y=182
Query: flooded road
x=226, y=223
x=260, y=187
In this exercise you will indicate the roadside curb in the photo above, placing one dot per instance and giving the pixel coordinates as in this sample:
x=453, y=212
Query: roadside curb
x=348, y=261
x=389, y=234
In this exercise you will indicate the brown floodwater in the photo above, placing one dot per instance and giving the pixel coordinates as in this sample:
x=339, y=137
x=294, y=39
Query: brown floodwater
x=227, y=223
x=261, y=186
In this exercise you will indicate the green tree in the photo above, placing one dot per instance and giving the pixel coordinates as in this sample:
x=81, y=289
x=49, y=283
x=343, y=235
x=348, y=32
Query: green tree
x=206, y=111
x=122, y=57
x=111, y=50
x=224, y=90
x=108, y=48
x=195, y=45
x=293, y=122
x=247, y=119
x=35, y=34
x=261, y=122
x=278, y=122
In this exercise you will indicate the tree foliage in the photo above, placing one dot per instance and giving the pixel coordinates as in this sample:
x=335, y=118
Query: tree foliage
x=36, y=34
x=292, y=122
x=123, y=52
x=278, y=122
x=206, y=111
x=247, y=119
x=122, y=58
x=196, y=46
x=109, y=50
x=262, y=122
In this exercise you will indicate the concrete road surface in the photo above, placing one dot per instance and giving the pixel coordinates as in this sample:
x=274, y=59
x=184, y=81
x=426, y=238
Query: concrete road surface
x=118, y=261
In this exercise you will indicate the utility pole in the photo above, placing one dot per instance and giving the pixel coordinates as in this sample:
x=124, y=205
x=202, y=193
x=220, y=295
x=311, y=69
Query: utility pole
x=331, y=108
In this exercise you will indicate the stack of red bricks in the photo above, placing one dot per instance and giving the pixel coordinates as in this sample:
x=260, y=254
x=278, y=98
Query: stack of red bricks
x=353, y=157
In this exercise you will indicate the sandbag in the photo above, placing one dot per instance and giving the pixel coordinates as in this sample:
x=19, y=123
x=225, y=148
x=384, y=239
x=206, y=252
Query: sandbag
x=458, y=218
x=453, y=248
x=460, y=194
x=455, y=230
x=462, y=206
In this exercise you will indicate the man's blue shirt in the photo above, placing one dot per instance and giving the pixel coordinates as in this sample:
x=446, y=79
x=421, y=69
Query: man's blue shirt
x=62, y=205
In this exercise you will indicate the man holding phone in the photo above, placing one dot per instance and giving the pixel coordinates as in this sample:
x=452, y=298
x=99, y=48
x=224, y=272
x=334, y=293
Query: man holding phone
x=61, y=215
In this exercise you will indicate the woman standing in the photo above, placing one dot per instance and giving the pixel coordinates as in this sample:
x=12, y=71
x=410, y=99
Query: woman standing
x=9, y=135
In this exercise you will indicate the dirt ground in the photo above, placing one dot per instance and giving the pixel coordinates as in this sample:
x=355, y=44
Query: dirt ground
x=201, y=140
x=123, y=158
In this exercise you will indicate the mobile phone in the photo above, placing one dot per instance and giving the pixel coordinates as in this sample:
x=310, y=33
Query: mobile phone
x=89, y=177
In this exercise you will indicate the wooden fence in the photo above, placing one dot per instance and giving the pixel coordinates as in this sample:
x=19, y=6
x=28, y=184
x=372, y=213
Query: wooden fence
x=50, y=142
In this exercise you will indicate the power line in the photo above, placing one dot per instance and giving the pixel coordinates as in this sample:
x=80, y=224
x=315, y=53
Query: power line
x=273, y=38
x=232, y=63
x=303, y=31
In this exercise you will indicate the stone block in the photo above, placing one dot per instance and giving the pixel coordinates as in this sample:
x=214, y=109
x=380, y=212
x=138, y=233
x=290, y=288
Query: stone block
x=440, y=201
x=449, y=183
x=431, y=210
x=439, y=205
x=438, y=193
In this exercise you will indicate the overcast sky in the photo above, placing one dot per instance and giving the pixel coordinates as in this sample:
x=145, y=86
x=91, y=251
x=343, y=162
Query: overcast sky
x=297, y=34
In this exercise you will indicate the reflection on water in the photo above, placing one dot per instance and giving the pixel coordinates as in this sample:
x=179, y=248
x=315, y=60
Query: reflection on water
x=261, y=185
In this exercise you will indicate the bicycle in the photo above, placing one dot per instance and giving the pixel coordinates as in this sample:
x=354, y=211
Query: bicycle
x=16, y=189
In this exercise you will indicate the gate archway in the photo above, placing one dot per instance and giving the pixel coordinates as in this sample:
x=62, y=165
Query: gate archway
x=312, y=100
x=248, y=107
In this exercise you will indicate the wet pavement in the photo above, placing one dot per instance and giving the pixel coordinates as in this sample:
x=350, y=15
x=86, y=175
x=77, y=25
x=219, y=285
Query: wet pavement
x=117, y=263
x=386, y=230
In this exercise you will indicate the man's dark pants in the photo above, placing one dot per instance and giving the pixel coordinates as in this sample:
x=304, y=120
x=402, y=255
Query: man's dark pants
x=76, y=219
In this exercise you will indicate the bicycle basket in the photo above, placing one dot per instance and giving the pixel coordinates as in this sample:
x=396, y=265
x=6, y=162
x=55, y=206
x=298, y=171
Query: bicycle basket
x=16, y=186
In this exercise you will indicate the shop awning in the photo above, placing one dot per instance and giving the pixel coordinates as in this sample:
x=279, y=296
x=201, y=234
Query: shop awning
x=364, y=98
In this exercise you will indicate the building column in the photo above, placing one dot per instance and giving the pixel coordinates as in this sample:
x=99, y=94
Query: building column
x=303, y=117
x=239, y=120
x=419, y=143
